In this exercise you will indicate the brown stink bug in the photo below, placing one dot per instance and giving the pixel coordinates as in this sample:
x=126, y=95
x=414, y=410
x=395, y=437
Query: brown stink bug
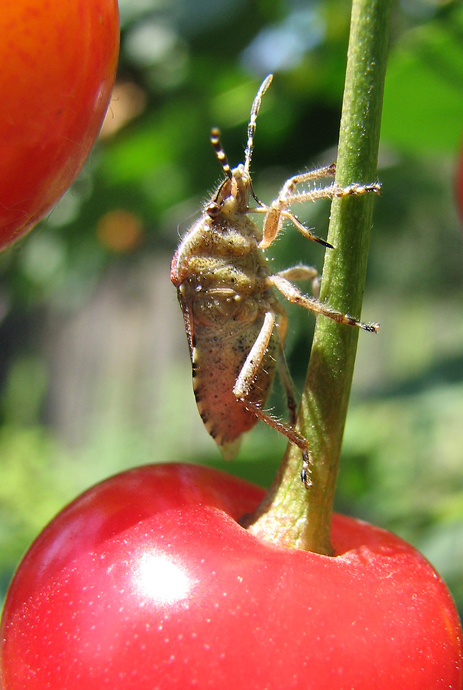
x=227, y=295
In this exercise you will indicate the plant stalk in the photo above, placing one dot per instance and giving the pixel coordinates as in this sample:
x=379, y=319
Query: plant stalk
x=293, y=515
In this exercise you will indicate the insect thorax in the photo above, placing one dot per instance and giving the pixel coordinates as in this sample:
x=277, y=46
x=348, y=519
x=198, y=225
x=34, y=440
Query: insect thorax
x=220, y=271
x=218, y=267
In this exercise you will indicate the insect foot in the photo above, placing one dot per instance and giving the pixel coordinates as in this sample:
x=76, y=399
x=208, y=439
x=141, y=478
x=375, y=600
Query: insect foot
x=234, y=323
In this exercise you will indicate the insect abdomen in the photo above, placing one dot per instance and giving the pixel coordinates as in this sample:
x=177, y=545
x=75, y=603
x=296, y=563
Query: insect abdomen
x=216, y=364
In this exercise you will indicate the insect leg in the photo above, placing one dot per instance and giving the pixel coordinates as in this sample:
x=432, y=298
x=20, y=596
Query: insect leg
x=278, y=210
x=283, y=365
x=273, y=222
x=254, y=359
x=294, y=273
x=290, y=185
x=303, y=273
x=291, y=434
x=245, y=379
x=332, y=191
x=295, y=296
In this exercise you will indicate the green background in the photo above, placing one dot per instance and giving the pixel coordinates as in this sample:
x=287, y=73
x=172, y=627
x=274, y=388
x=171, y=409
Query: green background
x=94, y=367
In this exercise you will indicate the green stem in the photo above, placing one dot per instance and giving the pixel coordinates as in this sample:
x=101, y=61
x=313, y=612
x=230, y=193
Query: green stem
x=293, y=515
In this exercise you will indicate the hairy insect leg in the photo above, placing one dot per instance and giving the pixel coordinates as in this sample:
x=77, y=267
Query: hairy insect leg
x=273, y=222
x=295, y=273
x=290, y=185
x=279, y=209
x=303, y=272
x=332, y=191
x=295, y=296
x=254, y=359
x=245, y=379
x=291, y=434
x=288, y=385
x=306, y=472
x=283, y=368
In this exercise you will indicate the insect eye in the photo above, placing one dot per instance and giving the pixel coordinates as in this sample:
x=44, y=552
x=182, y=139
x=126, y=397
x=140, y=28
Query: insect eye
x=213, y=209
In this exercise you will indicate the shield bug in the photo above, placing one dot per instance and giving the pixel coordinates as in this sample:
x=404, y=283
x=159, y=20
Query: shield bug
x=228, y=297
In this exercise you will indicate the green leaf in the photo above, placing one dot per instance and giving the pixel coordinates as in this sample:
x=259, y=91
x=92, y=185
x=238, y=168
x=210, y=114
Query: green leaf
x=423, y=99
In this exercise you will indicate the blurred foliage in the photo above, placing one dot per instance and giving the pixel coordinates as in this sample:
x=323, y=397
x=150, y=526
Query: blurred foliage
x=94, y=371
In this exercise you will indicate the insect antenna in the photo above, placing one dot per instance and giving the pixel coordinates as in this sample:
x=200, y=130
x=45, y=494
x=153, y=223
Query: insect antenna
x=220, y=153
x=252, y=121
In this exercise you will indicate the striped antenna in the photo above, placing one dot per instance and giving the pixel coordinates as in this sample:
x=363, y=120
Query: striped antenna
x=252, y=121
x=220, y=153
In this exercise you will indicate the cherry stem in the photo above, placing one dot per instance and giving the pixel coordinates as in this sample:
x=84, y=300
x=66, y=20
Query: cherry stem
x=291, y=514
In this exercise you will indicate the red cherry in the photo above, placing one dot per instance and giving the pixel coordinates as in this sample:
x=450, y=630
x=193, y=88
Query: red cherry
x=148, y=581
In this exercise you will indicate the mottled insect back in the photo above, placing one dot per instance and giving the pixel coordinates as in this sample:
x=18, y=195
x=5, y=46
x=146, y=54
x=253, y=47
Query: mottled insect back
x=234, y=323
